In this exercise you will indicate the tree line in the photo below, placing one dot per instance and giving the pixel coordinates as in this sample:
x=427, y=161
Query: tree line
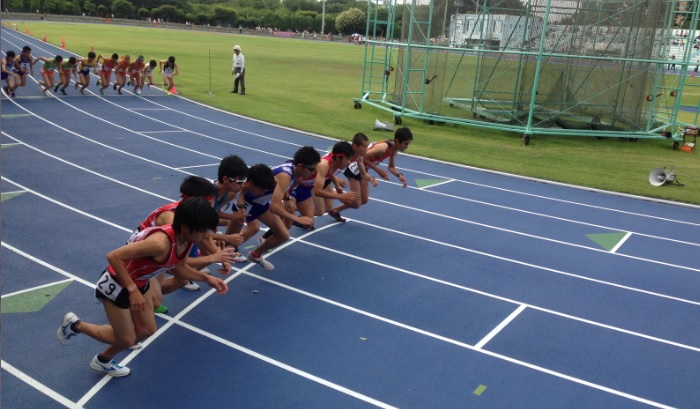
x=283, y=15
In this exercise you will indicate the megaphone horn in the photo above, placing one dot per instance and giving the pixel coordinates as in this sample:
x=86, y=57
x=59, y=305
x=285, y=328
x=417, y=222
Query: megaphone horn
x=383, y=126
x=660, y=176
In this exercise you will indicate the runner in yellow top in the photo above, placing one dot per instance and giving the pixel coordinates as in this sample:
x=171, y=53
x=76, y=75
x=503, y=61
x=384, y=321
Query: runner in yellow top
x=84, y=67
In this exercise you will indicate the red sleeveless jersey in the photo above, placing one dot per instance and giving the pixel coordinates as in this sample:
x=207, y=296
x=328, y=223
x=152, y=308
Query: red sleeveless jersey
x=329, y=158
x=151, y=219
x=386, y=153
x=142, y=269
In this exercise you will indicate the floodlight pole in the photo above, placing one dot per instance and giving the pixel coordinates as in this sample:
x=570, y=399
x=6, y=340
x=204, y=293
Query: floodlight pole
x=323, y=17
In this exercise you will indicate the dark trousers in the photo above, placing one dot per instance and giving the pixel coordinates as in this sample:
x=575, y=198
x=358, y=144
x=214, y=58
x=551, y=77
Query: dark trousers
x=241, y=80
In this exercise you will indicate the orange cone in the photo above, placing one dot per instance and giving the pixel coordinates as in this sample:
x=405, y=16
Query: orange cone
x=26, y=30
x=43, y=38
x=173, y=90
x=63, y=44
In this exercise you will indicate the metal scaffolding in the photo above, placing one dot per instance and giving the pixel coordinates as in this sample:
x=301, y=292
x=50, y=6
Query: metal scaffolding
x=599, y=68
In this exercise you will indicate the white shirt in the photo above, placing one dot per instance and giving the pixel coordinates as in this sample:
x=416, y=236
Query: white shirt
x=238, y=61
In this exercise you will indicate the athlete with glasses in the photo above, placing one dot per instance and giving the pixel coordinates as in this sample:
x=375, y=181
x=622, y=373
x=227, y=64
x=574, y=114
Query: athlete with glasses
x=230, y=178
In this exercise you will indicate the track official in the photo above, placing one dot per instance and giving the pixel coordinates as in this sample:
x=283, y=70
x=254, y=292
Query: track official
x=238, y=70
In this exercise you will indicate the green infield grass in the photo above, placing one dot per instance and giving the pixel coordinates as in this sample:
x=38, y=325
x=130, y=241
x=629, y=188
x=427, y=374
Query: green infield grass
x=309, y=85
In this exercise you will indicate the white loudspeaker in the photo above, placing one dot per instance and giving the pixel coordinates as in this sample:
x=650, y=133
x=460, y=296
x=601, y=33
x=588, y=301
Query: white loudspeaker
x=660, y=176
x=383, y=126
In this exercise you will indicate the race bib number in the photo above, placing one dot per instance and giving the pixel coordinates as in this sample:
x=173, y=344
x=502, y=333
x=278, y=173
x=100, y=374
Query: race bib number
x=108, y=287
x=354, y=168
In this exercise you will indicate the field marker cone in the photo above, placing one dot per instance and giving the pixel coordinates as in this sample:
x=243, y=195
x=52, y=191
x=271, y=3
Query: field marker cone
x=43, y=38
x=63, y=44
x=26, y=30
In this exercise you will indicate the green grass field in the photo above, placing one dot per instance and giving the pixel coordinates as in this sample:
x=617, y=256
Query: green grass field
x=309, y=86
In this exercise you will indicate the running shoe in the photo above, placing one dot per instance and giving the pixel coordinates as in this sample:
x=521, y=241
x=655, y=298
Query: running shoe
x=161, y=309
x=63, y=92
x=297, y=224
x=260, y=260
x=336, y=216
x=114, y=87
x=239, y=258
x=191, y=286
x=110, y=368
x=55, y=89
x=65, y=332
x=136, y=346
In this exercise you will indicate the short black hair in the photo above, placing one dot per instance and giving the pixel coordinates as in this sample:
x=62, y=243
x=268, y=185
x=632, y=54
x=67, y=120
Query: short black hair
x=403, y=134
x=343, y=148
x=26, y=49
x=197, y=186
x=197, y=214
x=261, y=176
x=307, y=155
x=91, y=54
x=232, y=166
x=359, y=139
x=10, y=54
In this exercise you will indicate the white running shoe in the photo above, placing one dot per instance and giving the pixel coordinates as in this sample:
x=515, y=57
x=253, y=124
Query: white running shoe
x=260, y=260
x=136, y=346
x=111, y=368
x=191, y=286
x=65, y=332
x=239, y=258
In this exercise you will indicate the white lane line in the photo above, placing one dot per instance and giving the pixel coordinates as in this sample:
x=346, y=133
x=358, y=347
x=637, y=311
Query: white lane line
x=532, y=236
x=466, y=346
x=516, y=302
x=282, y=365
x=92, y=172
x=39, y=386
x=47, y=265
x=105, y=379
x=500, y=327
x=425, y=188
x=621, y=242
x=82, y=213
x=27, y=290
